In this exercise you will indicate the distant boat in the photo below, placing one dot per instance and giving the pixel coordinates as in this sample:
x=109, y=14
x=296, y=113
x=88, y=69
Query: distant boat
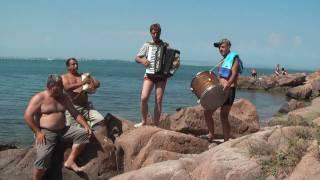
x=50, y=59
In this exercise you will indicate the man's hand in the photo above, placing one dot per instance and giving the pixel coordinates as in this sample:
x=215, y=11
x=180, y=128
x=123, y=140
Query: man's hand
x=86, y=80
x=146, y=63
x=89, y=131
x=226, y=87
x=40, y=138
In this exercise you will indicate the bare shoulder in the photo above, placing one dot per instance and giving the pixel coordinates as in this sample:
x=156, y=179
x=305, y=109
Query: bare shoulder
x=66, y=79
x=38, y=98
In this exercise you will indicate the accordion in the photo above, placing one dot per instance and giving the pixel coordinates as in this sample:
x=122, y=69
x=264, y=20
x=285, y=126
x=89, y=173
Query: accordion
x=163, y=60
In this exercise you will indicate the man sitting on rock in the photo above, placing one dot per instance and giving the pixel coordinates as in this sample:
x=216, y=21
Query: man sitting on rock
x=50, y=106
x=73, y=86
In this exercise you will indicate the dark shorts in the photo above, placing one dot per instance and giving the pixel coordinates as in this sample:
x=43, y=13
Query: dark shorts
x=154, y=79
x=231, y=95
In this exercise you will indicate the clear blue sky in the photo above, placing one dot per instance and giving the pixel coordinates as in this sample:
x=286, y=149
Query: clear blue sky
x=264, y=33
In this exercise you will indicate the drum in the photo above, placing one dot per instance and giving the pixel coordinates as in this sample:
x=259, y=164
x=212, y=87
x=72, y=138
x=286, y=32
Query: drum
x=87, y=87
x=206, y=86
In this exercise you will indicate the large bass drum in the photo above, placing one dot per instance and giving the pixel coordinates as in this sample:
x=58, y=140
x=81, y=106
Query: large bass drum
x=206, y=86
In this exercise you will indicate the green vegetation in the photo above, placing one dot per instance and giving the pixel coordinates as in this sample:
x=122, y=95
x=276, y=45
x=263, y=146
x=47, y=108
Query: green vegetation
x=280, y=163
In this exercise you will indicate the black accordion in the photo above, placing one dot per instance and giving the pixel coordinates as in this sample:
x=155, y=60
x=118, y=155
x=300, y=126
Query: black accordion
x=163, y=60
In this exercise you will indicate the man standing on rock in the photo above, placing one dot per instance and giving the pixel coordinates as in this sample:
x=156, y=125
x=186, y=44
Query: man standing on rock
x=45, y=115
x=152, y=80
x=228, y=75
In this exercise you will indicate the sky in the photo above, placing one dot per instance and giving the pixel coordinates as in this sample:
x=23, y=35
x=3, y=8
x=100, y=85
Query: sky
x=264, y=33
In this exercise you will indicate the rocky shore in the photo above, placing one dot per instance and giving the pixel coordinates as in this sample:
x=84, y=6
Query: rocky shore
x=287, y=149
x=297, y=86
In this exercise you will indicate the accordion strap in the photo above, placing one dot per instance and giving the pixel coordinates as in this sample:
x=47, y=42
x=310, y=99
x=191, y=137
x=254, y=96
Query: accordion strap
x=161, y=43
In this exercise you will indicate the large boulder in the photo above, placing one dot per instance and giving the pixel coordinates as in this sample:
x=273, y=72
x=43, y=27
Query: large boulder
x=313, y=76
x=291, y=105
x=147, y=145
x=305, y=116
x=248, y=83
x=291, y=79
x=300, y=92
x=272, y=82
x=314, y=80
x=308, y=167
x=315, y=88
x=248, y=158
x=99, y=158
x=7, y=146
x=243, y=119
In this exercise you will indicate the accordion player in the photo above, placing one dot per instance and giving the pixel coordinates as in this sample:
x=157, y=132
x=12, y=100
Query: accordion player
x=164, y=61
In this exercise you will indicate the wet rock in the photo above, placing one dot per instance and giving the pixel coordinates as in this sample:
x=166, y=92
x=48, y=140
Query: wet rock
x=291, y=105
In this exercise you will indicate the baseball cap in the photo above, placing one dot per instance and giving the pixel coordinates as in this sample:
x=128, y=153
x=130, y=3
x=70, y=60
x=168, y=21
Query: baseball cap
x=224, y=40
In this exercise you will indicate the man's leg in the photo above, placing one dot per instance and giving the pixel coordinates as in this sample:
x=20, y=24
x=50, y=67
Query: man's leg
x=160, y=87
x=38, y=173
x=75, y=151
x=224, y=114
x=44, y=155
x=80, y=139
x=209, y=121
x=95, y=119
x=145, y=93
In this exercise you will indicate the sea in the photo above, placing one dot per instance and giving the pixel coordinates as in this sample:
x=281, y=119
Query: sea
x=118, y=94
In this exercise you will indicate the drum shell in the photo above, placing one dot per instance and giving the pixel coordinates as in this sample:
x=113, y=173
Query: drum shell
x=206, y=86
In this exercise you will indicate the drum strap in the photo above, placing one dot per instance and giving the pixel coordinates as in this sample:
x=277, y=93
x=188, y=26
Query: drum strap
x=218, y=64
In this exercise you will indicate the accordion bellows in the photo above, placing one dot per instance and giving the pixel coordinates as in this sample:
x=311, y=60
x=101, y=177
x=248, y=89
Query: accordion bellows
x=162, y=60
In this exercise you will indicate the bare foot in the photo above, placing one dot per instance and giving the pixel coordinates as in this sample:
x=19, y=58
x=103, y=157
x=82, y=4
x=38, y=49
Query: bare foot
x=208, y=137
x=72, y=166
x=140, y=124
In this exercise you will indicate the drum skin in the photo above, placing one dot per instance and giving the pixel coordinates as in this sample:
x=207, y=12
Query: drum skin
x=87, y=87
x=206, y=86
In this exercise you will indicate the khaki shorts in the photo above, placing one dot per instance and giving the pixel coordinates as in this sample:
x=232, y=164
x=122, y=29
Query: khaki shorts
x=68, y=134
x=92, y=116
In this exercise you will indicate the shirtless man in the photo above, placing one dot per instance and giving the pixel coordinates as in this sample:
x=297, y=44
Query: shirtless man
x=72, y=84
x=48, y=107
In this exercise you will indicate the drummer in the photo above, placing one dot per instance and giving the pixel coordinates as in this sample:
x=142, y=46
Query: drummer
x=229, y=69
x=73, y=85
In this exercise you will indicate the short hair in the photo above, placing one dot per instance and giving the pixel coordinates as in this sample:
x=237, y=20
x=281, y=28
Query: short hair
x=53, y=79
x=155, y=26
x=69, y=59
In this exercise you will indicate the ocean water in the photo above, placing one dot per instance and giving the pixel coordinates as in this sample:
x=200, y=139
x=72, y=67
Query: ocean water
x=119, y=92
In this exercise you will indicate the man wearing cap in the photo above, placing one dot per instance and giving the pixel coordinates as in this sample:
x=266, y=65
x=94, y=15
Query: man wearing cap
x=229, y=69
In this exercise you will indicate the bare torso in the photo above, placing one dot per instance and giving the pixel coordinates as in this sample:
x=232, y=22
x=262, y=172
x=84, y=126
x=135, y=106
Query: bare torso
x=78, y=97
x=52, y=112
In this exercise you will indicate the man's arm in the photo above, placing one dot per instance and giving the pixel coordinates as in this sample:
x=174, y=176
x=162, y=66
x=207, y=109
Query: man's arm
x=142, y=60
x=141, y=56
x=67, y=86
x=234, y=74
x=76, y=115
x=31, y=111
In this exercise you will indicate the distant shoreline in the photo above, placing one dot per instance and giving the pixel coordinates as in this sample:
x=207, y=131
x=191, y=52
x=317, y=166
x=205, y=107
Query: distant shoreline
x=187, y=63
